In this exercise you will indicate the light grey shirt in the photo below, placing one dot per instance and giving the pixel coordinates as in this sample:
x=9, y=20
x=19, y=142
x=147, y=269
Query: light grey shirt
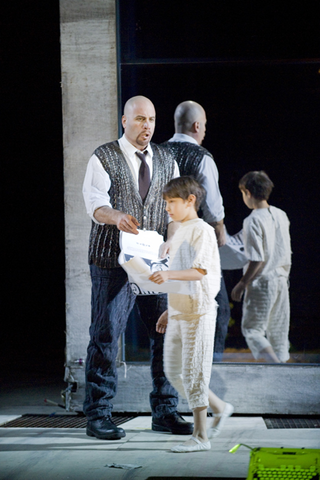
x=208, y=176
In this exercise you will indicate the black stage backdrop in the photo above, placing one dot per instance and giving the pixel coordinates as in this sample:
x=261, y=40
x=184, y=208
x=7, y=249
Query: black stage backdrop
x=33, y=318
x=252, y=68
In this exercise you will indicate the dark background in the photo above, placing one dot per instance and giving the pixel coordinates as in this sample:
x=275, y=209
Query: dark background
x=250, y=64
x=33, y=292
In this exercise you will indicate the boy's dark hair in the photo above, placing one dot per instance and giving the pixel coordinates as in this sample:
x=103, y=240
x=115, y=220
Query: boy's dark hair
x=182, y=187
x=258, y=183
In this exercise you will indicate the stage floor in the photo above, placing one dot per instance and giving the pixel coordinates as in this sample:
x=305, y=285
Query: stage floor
x=59, y=453
x=67, y=453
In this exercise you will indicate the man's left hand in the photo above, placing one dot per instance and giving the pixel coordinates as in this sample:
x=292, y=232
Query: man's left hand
x=220, y=234
x=164, y=249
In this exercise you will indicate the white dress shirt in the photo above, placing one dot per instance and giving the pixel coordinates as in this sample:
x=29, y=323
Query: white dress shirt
x=208, y=176
x=97, y=182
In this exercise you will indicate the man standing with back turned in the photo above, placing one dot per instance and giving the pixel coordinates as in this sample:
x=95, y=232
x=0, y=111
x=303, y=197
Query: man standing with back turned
x=190, y=128
x=122, y=191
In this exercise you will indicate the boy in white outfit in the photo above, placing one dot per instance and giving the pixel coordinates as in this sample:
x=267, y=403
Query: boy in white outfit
x=266, y=309
x=188, y=345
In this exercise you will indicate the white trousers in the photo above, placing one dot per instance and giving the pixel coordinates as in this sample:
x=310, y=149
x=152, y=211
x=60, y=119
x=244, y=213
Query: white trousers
x=266, y=315
x=188, y=353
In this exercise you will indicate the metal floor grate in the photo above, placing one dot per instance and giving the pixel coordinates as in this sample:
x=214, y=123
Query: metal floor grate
x=59, y=421
x=80, y=421
x=272, y=422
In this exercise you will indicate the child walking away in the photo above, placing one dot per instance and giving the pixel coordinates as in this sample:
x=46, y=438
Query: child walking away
x=189, y=322
x=266, y=311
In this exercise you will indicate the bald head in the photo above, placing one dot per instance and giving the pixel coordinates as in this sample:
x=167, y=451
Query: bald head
x=190, y=119
x=138, y=121
x=137, y=102
x=186, y=114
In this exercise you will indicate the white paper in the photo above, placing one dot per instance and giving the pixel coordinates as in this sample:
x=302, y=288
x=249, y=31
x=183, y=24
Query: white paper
x=139, y=257
x=232, y=255
x=137, y=265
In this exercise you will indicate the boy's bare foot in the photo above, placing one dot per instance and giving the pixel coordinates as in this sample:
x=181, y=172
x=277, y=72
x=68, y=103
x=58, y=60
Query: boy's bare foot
x=219, y=420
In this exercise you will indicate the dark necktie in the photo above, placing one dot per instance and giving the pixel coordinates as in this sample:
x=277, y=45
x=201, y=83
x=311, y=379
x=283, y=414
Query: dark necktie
x=144, y=175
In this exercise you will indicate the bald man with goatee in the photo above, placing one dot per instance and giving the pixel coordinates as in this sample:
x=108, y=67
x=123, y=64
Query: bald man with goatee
x=193, y=159
x=122, y=192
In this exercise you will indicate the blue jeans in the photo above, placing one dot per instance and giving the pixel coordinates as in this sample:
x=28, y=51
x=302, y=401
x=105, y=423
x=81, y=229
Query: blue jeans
x=223, y=317
x=111, y=302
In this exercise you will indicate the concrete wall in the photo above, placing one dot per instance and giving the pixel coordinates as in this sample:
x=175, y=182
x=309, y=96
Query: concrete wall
x=89, y=91
x=252, y=389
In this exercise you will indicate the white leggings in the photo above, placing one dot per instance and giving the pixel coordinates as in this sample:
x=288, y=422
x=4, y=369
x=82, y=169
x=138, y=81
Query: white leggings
x=266, y=313
x=188, y=351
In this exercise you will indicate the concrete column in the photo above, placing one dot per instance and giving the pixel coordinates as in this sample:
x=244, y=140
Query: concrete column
x=89, y=94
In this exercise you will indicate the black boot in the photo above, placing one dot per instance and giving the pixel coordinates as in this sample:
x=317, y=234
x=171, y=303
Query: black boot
x=173, y=423
x=105, y=429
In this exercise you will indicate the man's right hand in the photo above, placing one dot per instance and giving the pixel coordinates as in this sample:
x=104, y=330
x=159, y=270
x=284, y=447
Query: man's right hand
x=123, y=221
x=127, y=223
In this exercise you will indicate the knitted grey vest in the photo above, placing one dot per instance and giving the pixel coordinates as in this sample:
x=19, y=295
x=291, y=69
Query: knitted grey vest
x=124, y=196
x=187, y=155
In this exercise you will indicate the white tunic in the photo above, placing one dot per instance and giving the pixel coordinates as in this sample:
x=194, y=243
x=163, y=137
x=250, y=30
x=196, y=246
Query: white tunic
x=266, y=309
x=266, y=239
x=189, y=339
x=195, y=246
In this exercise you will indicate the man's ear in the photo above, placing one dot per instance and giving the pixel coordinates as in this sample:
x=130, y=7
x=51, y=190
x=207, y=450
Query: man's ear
x=124, y=121
x=195, y=127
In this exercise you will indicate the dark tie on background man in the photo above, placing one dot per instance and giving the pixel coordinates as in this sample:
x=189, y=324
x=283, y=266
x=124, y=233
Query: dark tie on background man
x=144, y=175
